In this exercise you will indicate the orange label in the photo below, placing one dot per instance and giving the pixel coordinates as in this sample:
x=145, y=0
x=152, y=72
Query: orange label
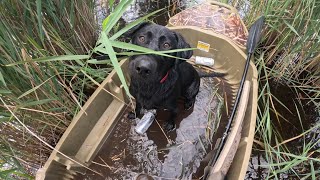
x=203, y=46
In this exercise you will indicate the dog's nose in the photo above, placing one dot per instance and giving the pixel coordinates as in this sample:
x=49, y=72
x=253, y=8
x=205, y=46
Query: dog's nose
x=143, y=67
x=142, y=70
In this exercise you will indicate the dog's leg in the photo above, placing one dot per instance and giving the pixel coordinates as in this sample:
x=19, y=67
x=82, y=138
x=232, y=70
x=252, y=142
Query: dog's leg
x=170, y=124
x=136, y=113
x=189, y=102
x=190, y=94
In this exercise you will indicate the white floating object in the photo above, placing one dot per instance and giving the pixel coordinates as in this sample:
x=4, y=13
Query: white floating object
x=204, y=61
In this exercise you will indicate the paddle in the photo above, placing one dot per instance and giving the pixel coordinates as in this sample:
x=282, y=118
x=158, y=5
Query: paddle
x=252, y=42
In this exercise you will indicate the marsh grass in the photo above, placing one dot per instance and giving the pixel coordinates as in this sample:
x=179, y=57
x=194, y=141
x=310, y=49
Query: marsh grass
x=44, y=95
x=291, y=38
x=290, y=157
x=288, y=54
x=214, y=115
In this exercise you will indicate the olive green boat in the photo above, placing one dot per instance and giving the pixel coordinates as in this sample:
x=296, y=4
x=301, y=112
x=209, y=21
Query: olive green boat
x=94, y=124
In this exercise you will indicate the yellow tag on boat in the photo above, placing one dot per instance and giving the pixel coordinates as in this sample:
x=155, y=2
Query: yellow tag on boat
x=203, y=46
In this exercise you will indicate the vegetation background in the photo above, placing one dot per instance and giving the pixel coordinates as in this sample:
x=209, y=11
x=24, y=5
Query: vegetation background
x=48, y=70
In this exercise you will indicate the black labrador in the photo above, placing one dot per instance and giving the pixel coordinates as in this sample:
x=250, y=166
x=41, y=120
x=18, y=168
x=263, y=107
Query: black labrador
x=158, y=81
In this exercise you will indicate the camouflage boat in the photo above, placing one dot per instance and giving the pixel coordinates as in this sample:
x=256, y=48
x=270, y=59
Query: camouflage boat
x=218, y=32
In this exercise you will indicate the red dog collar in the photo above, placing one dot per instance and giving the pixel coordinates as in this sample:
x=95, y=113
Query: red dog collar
x=164, y=78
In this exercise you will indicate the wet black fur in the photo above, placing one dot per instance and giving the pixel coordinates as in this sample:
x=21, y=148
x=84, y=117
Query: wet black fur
x=183, y=80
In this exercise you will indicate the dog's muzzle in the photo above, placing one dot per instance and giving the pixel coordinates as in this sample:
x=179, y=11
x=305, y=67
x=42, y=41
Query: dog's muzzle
x=143, y=65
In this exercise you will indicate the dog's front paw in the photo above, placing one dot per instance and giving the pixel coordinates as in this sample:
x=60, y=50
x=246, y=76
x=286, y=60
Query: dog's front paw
x=188, y=105
x=131, y=115
x=169, y=126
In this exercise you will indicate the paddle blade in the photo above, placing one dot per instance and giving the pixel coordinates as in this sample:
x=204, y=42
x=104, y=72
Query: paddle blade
x=254, y=35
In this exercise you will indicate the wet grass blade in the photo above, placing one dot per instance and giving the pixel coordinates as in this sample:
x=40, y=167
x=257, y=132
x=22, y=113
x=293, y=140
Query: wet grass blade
x=39, y=17
x=4, y=91
x=313, y=174
x=114, y=17
x=133, y=47
x=2, y=79
x=94, y=61
x=35, y=103
x=291, y=27
x=106, y=42
x=52, y=58
x=35, y=88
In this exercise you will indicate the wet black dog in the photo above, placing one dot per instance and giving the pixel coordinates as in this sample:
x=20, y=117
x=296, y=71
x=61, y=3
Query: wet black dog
x=158, y=81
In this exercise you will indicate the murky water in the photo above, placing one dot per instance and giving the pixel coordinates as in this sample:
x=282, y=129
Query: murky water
x=287, y=123
x=174, y=155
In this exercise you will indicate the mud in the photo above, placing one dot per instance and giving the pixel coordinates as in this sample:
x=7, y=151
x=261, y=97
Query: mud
x=174, y=155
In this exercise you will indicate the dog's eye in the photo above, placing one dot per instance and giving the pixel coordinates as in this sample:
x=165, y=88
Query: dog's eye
x=166, y=45
x=141, y=38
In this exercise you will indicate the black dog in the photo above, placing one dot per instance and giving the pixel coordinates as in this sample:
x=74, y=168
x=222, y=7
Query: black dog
x=158, y=81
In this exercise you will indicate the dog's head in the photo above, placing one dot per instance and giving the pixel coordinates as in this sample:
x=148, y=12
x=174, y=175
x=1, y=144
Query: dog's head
x=158, y=38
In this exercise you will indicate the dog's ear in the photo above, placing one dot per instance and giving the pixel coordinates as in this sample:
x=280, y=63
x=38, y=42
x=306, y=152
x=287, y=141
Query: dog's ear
x=132, y=31
x=182, y=44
